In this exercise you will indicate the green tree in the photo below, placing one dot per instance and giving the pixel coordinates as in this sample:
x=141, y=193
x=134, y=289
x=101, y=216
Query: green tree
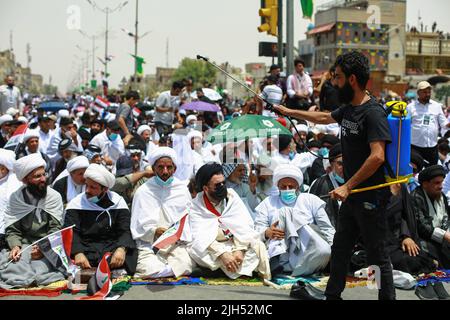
x=199, y=71
x=442, y=93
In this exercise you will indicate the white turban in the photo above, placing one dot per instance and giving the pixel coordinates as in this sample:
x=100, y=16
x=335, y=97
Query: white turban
x=24, y=166
x=162, y=152
x=190, y=118
x=12, y=111
x=7, y=159
x=101, y=175
x=194, y=134
x=300, y=128
x=30, y=134
x=76, y=163
x=143, y=128
x=63, y=113
x=287, y=171
x=5, y=118
x=22, y=119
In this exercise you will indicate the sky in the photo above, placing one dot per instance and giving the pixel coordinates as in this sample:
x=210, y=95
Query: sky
x=225, y=31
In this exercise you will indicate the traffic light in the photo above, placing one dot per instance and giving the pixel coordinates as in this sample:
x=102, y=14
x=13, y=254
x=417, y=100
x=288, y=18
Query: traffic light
x=269, y=17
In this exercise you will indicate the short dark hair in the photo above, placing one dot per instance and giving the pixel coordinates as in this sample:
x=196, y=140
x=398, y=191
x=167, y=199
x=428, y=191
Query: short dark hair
x=356, y=63
x=272, y=79
x=177, y=85
x=298, y=60
x=132, y=95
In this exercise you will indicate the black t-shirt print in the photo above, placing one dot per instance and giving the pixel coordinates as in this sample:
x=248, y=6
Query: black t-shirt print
x=360, y=126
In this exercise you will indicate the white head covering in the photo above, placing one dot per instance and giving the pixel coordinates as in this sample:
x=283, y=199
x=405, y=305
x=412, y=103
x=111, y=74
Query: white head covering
x=30, y=134
x=12, y=111
x=190, y=118
x=22, y=119
x=24, y=166
x=194, y=134
x=7, y=159
x=63, y=113
x=300, y=128
x=76, y=163
x=5, y=118
x=287, y=171
x=143, y=128
x=101, y=175
x=162, y=152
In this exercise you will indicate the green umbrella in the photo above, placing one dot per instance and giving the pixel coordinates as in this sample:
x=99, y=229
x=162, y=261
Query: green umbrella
x=247, y=127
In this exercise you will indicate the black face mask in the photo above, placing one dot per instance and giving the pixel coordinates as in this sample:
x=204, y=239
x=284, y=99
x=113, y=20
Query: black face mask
x=10, y=85
x=345, y=94
x=220, y=193
x=36, y=191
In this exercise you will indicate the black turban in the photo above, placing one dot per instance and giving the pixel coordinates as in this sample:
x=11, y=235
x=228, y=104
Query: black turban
x=431, y=172
x=205, y=173
x=335, y=151
x=417, y=159
x=330, y=139
x=65, y=121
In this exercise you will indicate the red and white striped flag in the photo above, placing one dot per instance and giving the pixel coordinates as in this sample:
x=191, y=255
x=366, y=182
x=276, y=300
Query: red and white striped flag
x=136, y=112
x=100, y=286
x=176, y=232
x=17, y=137
x=100, y=104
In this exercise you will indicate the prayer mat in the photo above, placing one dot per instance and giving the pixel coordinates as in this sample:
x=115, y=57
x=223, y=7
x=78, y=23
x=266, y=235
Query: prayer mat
x=52, y=290
x=437, y=276
x=241, y=281
x=167, y=281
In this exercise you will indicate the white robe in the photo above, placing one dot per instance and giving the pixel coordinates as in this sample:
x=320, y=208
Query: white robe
x=155, y=206
x=205, y=228
x=112, y=149
x=306, y=223
x=8, y=185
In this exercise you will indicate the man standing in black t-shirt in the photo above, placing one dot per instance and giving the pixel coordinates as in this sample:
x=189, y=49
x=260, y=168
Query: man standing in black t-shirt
x=364, y=134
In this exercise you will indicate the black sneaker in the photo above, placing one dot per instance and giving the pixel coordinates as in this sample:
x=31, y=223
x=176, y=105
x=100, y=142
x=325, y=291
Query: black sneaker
x=303, y=291
x=440, y=291
x=426, y=293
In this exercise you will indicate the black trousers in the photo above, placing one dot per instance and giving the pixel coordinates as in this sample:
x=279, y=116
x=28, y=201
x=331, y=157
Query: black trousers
x=355, y=219
x=163, y=129
x=429, y=154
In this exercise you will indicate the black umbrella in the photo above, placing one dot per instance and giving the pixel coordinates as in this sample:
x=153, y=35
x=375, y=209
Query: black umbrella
x=438, y=79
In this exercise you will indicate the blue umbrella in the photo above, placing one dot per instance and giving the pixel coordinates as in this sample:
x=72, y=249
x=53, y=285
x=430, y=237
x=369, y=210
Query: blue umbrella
x=52, y=106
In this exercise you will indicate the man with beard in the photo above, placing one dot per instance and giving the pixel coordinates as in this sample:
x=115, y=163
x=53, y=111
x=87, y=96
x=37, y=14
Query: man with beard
x=158, y=204
x=96, y=127
x=148, y=136
x=364, y=134
x=131, y=173
x=33, y=212
x=426, y=119
x=10, y=96
x=102, y=223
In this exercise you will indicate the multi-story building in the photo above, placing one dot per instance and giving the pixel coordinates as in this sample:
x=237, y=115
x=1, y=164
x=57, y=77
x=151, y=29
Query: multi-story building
x=345, y=25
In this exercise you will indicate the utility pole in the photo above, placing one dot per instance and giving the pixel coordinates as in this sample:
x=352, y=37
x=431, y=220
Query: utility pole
x=167, y=53
x=289, y=36
x=136, y=38
x=93, y=38
x=280, y=34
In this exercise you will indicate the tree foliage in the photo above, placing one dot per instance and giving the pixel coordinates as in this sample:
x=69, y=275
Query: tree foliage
x=198, y=70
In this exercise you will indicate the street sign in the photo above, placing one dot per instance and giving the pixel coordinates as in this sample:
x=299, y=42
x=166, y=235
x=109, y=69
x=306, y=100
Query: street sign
x=270, y=49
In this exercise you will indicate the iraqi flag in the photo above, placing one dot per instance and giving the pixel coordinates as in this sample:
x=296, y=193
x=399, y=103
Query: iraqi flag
x=99, y=286
x=57, y=248
x=178, y=231
x=100, y=104
x=136, y=112
x=17, y=138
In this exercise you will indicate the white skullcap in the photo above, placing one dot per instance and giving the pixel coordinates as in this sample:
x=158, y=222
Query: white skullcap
x=22, y=119
x=5, y=118
x=63, y=113
x=12, y=111
x=162, y=152
x=7, y=159
x=194, y=134
x=287, y=171
x=101, y=175
x=190, y=118
x=143, y=128
x=76, y=163
x=24, y=166
x=30, y=134
x=300, y=128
